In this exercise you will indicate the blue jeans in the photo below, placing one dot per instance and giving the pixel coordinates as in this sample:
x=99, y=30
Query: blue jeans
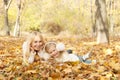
x=80, y=57
x=84, y=61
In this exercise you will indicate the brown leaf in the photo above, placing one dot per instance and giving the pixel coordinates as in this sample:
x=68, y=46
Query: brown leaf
x=67, y=70
x=55, y=74
x=11, y=77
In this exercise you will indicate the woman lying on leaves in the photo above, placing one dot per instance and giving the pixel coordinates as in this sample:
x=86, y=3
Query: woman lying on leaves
x=33, y=48
x=58, y=53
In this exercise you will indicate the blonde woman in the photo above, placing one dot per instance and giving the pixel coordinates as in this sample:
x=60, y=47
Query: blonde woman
x=33, y=46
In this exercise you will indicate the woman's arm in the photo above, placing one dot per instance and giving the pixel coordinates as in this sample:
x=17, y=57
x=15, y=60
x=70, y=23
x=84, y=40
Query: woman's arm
x=28, y=57
x=24, y=52
x=31, y=57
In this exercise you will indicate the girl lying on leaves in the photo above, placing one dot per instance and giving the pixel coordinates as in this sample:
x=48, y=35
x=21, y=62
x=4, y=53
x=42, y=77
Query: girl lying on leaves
x=58, y=53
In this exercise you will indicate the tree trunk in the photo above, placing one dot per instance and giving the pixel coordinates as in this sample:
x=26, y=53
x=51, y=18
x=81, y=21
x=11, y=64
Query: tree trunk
x=92, y=20
x=7, y=27
x=111, y=15
x=101, y=22
x=17, y=24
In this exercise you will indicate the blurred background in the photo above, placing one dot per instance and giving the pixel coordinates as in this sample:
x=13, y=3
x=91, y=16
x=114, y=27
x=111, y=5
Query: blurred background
x=72, y=17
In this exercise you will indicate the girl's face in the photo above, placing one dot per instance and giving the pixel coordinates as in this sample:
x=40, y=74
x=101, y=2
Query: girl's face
x=37, y=43
x=53, y=52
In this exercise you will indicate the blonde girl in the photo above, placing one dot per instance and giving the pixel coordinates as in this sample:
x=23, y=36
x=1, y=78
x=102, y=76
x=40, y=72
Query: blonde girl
x=58, y=53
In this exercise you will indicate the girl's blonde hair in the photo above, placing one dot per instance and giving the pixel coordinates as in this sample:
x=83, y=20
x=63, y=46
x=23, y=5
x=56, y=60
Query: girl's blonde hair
x=48, y=45
x=59, y=46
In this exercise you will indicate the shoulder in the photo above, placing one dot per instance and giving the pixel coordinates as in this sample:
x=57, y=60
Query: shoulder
x=24, y=44
x=25, y=47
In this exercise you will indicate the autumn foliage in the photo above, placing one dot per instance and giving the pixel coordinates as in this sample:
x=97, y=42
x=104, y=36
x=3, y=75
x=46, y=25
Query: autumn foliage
x=106, y=68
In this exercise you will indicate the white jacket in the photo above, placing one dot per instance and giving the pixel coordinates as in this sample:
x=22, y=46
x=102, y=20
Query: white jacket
x=31, y=57
x=65, y=57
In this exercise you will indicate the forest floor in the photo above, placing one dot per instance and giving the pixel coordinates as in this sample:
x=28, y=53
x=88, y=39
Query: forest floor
x=107, y=66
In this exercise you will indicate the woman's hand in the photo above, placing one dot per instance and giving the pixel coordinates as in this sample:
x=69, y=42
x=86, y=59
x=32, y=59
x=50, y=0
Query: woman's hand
x=31, y=49
x=31, y=57
x=33, y=54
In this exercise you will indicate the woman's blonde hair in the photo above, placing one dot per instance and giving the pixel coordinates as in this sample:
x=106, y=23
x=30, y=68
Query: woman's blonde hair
x=29, y=40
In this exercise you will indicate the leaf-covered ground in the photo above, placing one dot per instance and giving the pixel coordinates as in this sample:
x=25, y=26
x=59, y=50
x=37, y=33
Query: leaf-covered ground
x=106, y=68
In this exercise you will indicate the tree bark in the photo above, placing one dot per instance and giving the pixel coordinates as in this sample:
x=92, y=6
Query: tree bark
x=111, y=6
x=92, y=20
x=17, y=24
x=7, y=27
x=101, y=22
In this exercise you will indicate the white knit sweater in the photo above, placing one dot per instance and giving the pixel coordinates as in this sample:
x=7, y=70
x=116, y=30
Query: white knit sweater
x=30, y=59
x=65, y=57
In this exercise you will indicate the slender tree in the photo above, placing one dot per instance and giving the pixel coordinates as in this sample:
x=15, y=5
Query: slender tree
x=7, y=27
x=92, y=19
x=101, y=22
x=111, y=9
x=17, y=24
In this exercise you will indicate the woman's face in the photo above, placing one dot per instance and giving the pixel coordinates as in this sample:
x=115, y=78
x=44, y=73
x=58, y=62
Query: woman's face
x=53, y=52
x=37, y=43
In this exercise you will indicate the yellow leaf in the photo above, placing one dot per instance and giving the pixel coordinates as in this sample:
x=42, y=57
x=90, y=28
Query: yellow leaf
x=2, y=77
x=30, y=71
x=108, y=75
x=108, y=51
x=103, y=78
x=101, y=69
x=114, y=65
x=10, y=68
x=117, y=47
x=19, y=78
